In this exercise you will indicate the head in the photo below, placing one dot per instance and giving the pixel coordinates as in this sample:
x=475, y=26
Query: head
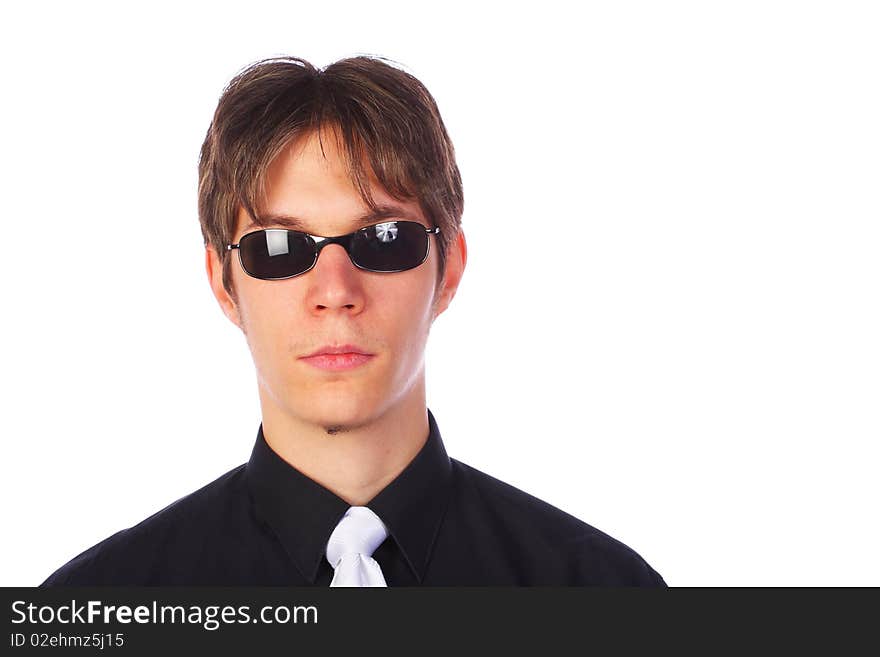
x=327, y=147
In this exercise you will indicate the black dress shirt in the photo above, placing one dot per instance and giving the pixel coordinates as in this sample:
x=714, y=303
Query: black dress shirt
x=266, y=523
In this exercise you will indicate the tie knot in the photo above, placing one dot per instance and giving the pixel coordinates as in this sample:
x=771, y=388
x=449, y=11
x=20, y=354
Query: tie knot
x=359, y=532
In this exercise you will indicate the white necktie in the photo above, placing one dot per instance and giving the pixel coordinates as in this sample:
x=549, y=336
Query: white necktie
x=351, y=546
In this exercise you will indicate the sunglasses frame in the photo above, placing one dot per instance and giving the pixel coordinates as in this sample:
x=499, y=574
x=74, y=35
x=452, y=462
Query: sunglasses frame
x=321, y=241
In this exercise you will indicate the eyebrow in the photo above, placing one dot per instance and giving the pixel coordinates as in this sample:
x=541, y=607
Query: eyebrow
x=382, y=211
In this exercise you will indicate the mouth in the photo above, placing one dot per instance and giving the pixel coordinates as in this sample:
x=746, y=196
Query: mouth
x=337, y=362
x=338, y=358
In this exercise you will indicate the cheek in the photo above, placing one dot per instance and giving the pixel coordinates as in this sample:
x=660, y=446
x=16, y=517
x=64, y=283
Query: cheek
x=269, y=327
x=405, y=312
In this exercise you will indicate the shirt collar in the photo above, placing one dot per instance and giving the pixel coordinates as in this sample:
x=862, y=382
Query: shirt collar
x=303, y=513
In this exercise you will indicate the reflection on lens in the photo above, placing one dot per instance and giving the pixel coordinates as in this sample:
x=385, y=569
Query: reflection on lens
x=386, y=232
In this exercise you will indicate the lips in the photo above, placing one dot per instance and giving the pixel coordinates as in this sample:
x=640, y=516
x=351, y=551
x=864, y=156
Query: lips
x=338, y=358
x=339, y=349
x=337, y=362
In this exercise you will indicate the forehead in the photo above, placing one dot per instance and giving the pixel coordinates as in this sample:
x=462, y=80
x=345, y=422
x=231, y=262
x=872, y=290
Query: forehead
x=309, y=187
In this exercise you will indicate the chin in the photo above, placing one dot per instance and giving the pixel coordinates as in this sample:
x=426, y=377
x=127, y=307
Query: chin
x=338, y=411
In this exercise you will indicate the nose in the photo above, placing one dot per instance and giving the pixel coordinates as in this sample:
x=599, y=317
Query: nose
x=335, y=283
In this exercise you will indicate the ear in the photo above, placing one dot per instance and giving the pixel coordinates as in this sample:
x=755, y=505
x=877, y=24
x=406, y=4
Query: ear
x=215, y=277
x=456, y=259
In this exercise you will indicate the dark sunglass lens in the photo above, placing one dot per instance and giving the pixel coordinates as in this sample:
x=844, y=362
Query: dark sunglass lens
x=272, y=254
x=390, y=246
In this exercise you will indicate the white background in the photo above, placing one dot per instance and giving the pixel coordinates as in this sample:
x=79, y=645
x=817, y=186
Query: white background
x=669, y=321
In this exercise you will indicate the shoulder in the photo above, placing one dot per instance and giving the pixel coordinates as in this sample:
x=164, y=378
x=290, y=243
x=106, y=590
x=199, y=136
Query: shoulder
x=141, y=554
x=582, y=553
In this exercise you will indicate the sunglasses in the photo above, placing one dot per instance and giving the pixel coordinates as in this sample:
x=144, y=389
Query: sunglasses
x=277, y=253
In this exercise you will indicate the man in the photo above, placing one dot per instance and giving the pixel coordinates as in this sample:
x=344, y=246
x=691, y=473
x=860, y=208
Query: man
x=330, y=203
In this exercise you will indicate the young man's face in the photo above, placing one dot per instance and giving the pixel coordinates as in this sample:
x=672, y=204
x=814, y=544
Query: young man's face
x=387, y=315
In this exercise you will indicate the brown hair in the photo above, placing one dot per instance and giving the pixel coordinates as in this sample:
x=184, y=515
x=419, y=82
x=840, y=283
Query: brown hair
x=382, y=114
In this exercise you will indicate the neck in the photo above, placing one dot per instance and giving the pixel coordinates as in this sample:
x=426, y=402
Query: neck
x=354, y=458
